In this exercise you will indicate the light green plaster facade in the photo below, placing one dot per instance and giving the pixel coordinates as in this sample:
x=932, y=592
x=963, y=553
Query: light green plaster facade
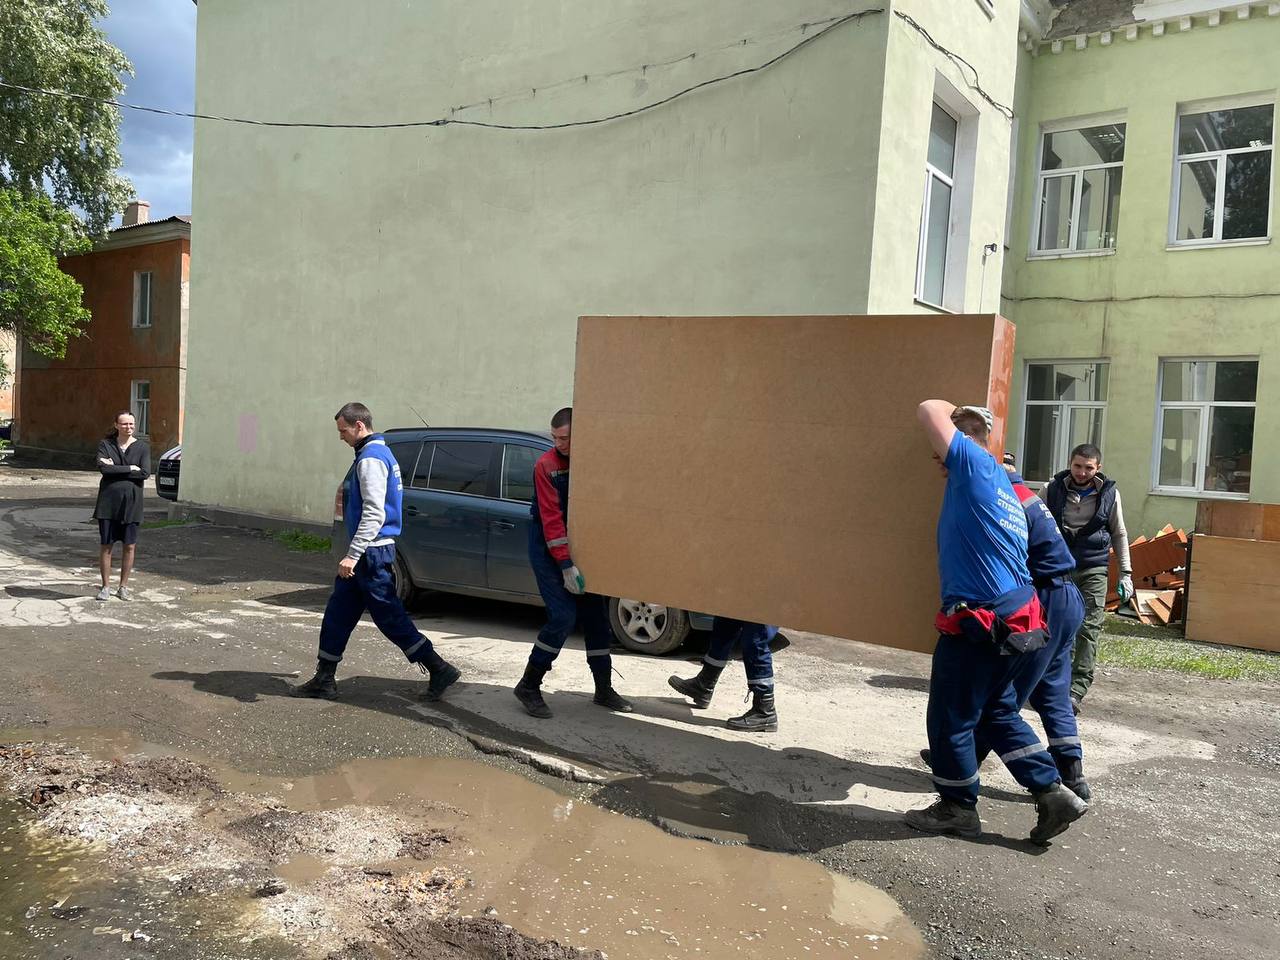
x=445, y=268
x=1153, y=301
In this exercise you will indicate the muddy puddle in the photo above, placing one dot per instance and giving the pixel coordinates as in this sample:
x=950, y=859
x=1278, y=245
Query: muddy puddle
x=504, y=850
x=59, y=899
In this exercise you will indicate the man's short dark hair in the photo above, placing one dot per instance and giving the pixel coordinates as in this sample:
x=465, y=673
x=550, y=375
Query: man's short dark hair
x=355, y=412
x=563, y=417
x=1088, y=451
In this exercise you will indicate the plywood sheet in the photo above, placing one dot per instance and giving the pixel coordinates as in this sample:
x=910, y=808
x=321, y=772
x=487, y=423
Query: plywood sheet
x=1234, y=596
x=772, y=468
x=1241, y=521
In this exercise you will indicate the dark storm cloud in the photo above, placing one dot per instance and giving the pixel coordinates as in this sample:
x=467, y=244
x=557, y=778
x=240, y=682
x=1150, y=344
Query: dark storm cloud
x=159, y=37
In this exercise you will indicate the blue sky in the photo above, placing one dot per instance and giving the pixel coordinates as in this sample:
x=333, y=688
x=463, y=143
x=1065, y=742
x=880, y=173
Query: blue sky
x=159, y=37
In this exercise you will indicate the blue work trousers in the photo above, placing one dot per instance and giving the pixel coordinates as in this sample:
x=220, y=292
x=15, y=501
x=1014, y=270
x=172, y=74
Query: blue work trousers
x=1049, y=693
x=973, y=700
x=372, y=588
x=564, y=611
x=756, y=656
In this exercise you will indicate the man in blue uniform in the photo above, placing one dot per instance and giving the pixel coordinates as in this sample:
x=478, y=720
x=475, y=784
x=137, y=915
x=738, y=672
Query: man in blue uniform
x=754, y=638
x=365, y=581
x=991, y=629
x=561, y=583
x=1048, y=691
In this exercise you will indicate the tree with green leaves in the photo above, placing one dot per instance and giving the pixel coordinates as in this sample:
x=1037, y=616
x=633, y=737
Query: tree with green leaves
x=60, y=181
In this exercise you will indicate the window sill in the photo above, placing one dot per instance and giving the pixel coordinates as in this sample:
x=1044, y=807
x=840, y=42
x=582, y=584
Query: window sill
x=1198, y=495
x=1071, y=254
x=1216, y=244
x=933, y=306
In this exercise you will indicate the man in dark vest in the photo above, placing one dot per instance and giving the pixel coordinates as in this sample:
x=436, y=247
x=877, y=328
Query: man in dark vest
x=1085, y=503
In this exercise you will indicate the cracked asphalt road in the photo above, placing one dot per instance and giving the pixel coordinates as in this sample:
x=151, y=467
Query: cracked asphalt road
x=1177, y=858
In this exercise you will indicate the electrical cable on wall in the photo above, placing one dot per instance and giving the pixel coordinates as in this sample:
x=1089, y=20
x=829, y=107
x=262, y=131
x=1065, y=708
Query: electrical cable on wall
x=827, y=26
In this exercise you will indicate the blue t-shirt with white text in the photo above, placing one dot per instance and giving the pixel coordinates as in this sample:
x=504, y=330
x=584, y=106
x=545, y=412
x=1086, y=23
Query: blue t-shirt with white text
x=982, y=530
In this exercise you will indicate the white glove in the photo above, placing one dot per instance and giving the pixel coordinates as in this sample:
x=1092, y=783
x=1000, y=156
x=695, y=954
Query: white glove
x=573, y=581
x=1125, y=588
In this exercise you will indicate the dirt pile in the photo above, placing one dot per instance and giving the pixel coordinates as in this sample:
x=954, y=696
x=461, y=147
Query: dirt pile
x=353, y=881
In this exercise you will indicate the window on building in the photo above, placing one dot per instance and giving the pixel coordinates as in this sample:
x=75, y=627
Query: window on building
x=140, y=404
x=142, y=298
x=1204, y=433
x=1066, y=404
x=935, y=221
x=1222, y=183
x=460, y=466
x=517, y=471
x=1079, y=189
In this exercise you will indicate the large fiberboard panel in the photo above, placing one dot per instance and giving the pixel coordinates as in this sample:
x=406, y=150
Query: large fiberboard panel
x=772, y=468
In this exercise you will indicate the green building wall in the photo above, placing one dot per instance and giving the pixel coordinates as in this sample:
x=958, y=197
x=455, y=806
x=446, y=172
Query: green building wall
x=444, y=268
x=1148, y=301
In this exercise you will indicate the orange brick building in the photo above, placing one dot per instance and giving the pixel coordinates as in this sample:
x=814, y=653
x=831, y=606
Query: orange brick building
x=133, y=355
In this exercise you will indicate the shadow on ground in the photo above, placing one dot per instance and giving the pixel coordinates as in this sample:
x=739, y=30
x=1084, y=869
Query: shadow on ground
x=816, y=817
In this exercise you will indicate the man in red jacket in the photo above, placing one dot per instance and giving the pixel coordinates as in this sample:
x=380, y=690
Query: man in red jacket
x=561, y=583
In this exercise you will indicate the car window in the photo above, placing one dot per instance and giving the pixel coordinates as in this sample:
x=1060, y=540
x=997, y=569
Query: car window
x=517, y=472
x=406, y=454
x=460, y=466
x=423, y=469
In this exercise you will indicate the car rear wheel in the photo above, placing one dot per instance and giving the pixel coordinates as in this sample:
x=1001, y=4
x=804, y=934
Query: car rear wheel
x=404, y=583
x=648, y=627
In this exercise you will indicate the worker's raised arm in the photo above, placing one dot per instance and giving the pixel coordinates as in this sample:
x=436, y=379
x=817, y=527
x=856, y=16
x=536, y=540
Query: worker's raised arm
x=935, y=417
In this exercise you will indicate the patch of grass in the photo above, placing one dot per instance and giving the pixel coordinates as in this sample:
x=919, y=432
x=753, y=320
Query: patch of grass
x=1130, y=643
x=302, y=542
x=158, y=524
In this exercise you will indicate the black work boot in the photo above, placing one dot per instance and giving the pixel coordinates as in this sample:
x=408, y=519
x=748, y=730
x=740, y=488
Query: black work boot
x=761, y=718
x=699, y=688
x=608, y=697
x=440, y=678
x=1057, y=809
x=1072, y=773
x=529, y=695
x=322, y=686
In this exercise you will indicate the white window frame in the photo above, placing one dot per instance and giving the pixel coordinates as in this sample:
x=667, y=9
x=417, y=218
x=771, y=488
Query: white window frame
x=932, y=173
x=1062, y=446
x=955, y=269
x=1207, y=106
x=1065, y=126
x=1205, y=407
x=141, y=407
x=142, y=304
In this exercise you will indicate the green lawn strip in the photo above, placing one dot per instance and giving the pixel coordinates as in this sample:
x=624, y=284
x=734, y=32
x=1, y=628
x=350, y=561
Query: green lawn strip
x=1129, y=643
x=303, y=542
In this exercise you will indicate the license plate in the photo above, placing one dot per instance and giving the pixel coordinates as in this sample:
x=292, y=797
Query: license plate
x=167, y=481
